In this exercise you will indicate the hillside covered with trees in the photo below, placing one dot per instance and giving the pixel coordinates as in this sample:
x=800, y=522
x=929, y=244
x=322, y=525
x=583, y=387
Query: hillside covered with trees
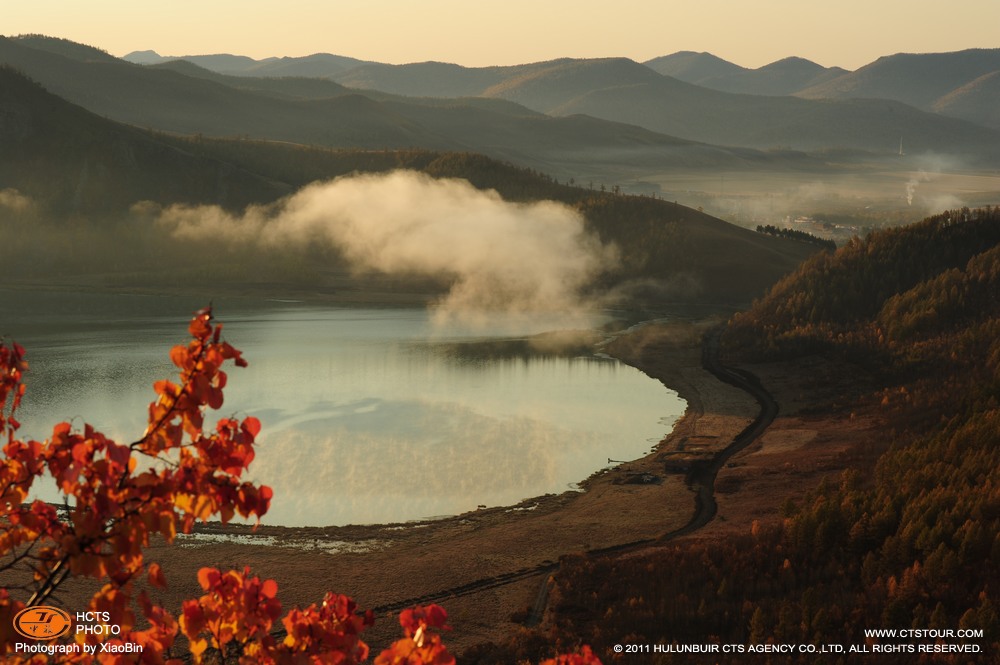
x=907, y=537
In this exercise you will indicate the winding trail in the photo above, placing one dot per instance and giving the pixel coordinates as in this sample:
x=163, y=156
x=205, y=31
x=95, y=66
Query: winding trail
x=701, y=478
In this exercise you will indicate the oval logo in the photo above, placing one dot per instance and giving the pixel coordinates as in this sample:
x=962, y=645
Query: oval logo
x=42, y=622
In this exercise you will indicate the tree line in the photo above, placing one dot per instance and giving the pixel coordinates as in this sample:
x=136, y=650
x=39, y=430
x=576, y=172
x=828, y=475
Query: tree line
x=796, y=234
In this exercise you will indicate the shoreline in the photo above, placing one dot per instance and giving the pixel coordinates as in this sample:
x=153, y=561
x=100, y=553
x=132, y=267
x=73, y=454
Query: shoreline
x=381, y=566
x=486, y=566
x=675, y=369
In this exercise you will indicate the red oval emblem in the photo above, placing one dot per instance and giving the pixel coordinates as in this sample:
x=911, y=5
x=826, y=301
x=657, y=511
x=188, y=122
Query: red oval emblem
x=42, y=622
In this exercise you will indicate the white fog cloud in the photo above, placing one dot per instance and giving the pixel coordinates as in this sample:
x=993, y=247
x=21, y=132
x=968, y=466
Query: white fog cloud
x=501, y=257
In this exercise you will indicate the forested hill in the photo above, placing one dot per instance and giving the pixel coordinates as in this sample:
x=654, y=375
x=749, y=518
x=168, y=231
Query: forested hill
x=916, y=538
x=907, y=537
x=880, y=296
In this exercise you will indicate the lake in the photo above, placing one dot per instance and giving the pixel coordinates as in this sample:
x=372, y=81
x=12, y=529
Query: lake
x=369, y=415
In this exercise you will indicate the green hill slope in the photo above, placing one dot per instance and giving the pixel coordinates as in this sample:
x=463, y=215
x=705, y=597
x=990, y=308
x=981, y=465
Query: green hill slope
x=69, y=160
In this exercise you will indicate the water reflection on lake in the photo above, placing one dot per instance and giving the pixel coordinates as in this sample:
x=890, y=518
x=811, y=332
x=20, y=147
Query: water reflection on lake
x=367, y=414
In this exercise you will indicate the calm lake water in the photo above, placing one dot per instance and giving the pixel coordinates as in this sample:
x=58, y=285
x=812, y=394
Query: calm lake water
x=367, y=418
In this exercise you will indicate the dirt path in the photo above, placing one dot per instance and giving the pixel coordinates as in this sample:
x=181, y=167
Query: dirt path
x=701, y=478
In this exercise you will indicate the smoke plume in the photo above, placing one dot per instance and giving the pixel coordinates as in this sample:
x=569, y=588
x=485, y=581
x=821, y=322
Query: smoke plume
x=912, y=183
x=500, y=257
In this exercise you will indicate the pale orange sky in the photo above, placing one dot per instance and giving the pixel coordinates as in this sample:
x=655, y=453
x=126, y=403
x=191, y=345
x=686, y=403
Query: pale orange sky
x=845, y=33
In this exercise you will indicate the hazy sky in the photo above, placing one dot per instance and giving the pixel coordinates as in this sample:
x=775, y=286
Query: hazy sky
x=846, y=33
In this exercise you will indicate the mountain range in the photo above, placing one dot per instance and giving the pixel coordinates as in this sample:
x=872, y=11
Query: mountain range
x=577, y=118
x=183, y=98
x=961, y=84
x=782, y=77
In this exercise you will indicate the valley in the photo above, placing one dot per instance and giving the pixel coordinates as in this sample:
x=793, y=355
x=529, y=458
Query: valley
x=771, y=292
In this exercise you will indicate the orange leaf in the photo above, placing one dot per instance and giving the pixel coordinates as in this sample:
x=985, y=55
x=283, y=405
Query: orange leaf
x=198, y=646
x=252, y=426
x=208, y=578
x=156, y=577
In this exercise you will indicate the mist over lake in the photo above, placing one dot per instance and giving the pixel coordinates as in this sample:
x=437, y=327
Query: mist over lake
x=369, y=415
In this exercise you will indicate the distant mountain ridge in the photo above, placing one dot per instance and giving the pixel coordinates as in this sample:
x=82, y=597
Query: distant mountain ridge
x=782, y=77
x=66, y=48
x=916, y=79
x=959, y=84
x=694, y=67
x=942, y=83
x=317, y=65
x=622, y=90
x=925, y=81
x=928, y=81
x=529, y=119
x=537, y=86
x=182, y=98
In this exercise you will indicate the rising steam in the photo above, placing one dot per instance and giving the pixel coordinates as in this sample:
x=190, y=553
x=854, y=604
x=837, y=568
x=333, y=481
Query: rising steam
x=500, y=257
